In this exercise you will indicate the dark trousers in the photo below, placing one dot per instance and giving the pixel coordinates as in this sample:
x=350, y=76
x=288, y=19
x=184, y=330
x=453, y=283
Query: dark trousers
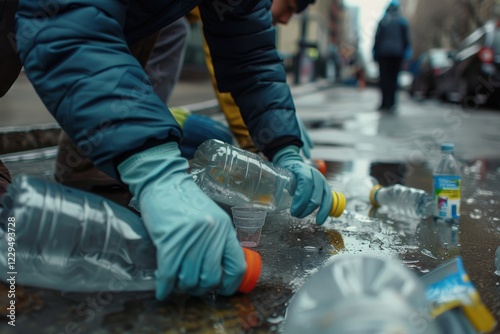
x=389, y=70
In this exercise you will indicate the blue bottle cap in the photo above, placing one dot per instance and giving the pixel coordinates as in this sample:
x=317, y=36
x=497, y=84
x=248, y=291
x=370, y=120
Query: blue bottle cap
x=447, y=147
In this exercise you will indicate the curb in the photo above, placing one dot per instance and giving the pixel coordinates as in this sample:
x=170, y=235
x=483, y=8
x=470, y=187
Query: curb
x=39, y=136
x=24, y=138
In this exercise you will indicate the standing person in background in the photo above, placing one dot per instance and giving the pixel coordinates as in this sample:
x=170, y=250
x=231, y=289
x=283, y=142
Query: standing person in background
x=392, y=46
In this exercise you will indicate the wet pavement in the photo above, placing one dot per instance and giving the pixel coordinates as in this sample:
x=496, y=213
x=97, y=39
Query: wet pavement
x=355, y=140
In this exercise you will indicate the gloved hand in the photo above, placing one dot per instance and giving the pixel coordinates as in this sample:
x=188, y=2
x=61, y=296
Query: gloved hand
x=304, y=136
x=312, y=189
x=197, y=248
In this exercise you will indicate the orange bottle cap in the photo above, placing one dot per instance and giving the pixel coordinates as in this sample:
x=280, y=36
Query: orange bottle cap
x=321, y=166
x=254, y=268
x=338, y=204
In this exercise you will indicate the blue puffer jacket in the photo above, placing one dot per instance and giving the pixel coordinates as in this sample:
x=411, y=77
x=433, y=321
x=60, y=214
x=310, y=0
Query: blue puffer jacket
x=75, y=54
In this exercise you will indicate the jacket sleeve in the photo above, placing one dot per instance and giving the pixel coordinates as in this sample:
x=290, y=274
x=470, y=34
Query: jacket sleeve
x=76, y=57
x=243, y=47
x=408, y=50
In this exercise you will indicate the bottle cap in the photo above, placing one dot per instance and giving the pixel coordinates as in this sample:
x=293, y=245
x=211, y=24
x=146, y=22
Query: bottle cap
x=373, y=194
x=254, y=267
x=338, y=204
x=447, y=147
x=321, y=166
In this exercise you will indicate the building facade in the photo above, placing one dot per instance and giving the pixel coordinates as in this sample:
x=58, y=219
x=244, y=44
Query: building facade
x=445, y=23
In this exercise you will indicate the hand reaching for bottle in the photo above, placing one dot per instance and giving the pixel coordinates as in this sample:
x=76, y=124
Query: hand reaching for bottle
x=197, y=248
x=312, y=190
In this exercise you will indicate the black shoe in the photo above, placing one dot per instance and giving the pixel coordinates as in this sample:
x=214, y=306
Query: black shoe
x=10, y=64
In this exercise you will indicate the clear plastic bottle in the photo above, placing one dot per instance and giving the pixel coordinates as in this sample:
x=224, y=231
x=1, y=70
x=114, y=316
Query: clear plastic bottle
x=404, y=200
x=447, y=184
x=67, y=239
x=360, y=294
x=236, y=177
x=407, y=201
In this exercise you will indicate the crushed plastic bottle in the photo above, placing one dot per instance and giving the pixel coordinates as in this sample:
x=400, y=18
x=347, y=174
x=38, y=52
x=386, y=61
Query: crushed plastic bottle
x=407, y=201
x=447, y=183
x=236, y=177
x=71, y=240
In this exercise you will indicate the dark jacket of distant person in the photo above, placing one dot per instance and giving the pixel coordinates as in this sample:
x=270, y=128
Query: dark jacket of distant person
x=392, y=36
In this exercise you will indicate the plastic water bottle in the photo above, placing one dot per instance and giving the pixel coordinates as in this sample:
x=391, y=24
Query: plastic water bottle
x=236, y=177
x=407, y=201
x=360, y=294
x=404, y=200
x=71, y=240
x=447, y=183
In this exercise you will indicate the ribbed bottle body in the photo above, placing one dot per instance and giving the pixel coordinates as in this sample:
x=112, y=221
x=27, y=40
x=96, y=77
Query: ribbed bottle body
x=407, y=201
x=236, y=177
x=71, y=240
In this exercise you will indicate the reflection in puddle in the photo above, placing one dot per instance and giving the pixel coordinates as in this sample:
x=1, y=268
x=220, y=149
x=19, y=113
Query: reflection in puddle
x=336, y=240
x=379, y=231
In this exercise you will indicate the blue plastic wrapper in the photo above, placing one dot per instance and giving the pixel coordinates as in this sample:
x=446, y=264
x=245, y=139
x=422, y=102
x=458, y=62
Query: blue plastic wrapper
x=448, y=287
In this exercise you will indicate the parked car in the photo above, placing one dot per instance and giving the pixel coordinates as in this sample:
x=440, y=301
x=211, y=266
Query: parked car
x=474, y=76
x=428, y=66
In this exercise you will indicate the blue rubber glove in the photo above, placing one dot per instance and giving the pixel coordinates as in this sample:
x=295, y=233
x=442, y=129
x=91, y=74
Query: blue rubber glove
x=306, y=140
x=312, y=189
x=197, y=248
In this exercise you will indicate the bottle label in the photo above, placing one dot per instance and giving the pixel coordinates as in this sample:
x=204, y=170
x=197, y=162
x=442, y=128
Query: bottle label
x=447, y=196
